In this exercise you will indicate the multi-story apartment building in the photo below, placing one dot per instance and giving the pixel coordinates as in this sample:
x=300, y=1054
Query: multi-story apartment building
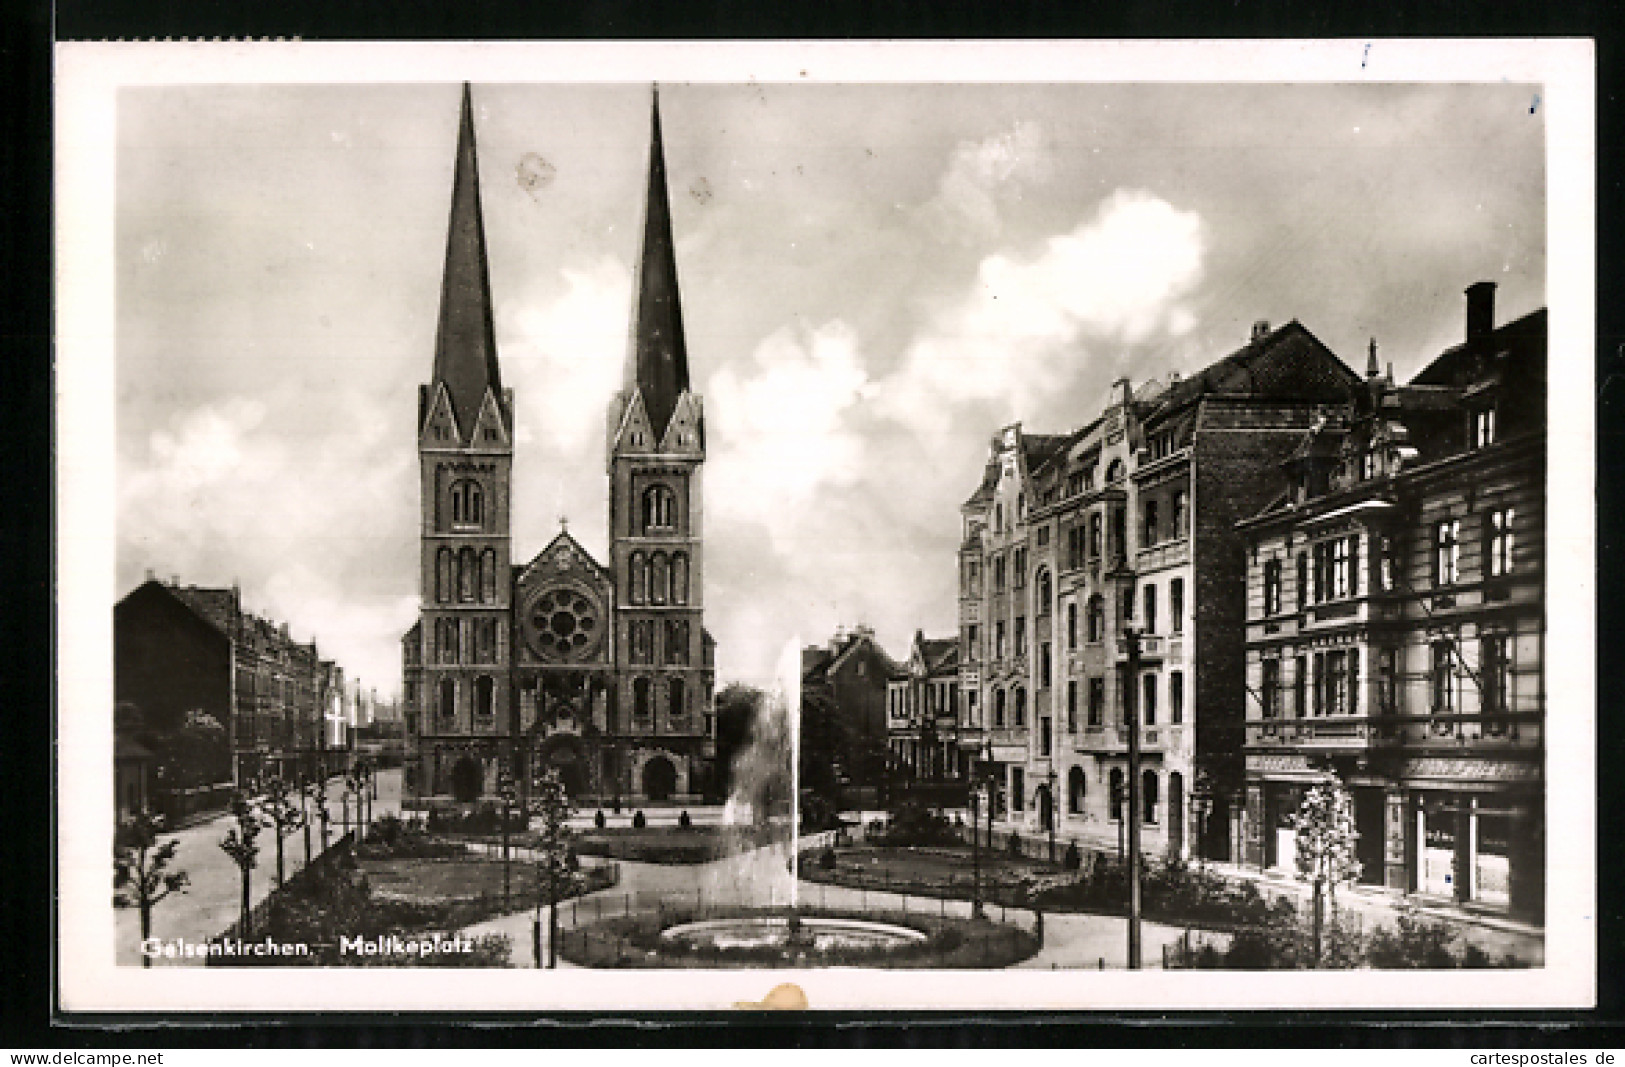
x=922, y=712
x=847, y=682
x=1395, y=624
x=183, y=648
x=1129, y=522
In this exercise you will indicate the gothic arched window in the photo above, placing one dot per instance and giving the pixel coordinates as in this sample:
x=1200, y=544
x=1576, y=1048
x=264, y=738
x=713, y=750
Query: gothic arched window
x=638, y=574
x=468, y=574
x=467, y=504
x=640, y=699
x=677, y=641
x=443, y=582
x=679, y=578
x=484, y=704
x=448, y=698
x=658, y=578
x=674, y=693
x=488, y=576
x=659, y=508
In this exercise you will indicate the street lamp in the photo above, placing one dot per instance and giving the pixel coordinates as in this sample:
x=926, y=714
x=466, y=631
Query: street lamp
x=507, y=788
x=1049, y=812
x=976, y=850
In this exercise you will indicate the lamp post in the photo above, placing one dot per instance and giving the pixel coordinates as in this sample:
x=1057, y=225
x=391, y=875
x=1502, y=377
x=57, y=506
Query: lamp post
x=976, y=852
x=507, y=789
x=1049, y=812
x=1201, y=807
x=1131, y=677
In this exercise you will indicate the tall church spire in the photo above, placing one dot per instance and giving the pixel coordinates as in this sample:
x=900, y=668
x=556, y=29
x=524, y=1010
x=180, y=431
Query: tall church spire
x=657, y=363
x=465, y=350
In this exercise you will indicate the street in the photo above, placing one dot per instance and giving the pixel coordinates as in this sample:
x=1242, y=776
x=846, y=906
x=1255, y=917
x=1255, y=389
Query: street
x=213, y=900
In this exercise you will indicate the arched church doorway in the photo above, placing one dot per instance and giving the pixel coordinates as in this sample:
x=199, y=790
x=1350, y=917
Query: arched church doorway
x=564, y=755
x=467, y=778
x=659, y=779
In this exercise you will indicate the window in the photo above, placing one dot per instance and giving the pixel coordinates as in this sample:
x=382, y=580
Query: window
x=1484, y=428
x=675, y=706
x=998, y=518
x=998, y=709
x=1384, y=548
x=677, y=642
x=970, y=644
x=659, y=578
x=638, y=569
x=1043, y=535
x=1114, y=471
x=1388, y=681
x=484, y=706
x=1149, y=514
x=1181, y=512
x=1442, y=679
x=1335, y=684
x=679, y=578
x=643, y=641
x=1125, y=606
x=1018, y=569
x=998, y=640
x=1148, y=797
x=448, y=698
x=1148, y=684
x=1020, y=712
x=1500, y=542
x=1021, y=635
x=1097, y=701
x=443, y=582
x=488, y=576
x=1043, y=665
x=1018, y=788
x=449, y=641
x=1447, y=552
x=468, y=566
x=1072, y=626
x=998, y=574
x=1119, y=533
x=1269, y=696
x=640, y=700
x=1176, y=604
x=1176, y=697
x=971, y=717
x=1300, y=687
x=1072, y=706
x=1044, y=739
x=1097, y=618
x=1303, y=581
x=1495, y=665
x=659, y=508
x=1117, y=794
x=1075, y=790
x=1074, y=547
x=1094, y=535
x=1368, y=465
x=1150, y=609
x=467, y=504
x=1044, y=591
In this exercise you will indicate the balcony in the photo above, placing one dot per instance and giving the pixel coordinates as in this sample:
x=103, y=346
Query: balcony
x=1430, y=733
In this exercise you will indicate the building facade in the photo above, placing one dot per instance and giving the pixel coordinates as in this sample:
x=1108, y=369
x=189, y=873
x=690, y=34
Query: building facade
x=844, y=693
x=922, y=713
x=180, y=650
x=1395, y=624
x=602, y=672
x=1128, y=523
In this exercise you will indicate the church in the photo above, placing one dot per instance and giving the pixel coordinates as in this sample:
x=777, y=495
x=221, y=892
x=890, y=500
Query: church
x=602, y=671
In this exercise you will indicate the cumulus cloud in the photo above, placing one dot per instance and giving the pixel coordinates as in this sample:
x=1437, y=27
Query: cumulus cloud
x=981, y=174
x=782, y=427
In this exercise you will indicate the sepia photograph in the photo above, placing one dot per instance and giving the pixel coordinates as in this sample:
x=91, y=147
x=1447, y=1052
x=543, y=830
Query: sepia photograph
x=1049, y=526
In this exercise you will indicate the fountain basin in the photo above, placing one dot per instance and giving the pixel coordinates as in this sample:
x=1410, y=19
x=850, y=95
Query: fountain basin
x=776, y=931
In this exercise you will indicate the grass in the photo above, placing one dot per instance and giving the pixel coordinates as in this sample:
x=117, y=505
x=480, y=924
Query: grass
x=933, y=872
x=659, y=844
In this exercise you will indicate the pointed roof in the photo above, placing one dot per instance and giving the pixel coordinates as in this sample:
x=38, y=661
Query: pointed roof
x=465, y=348
x=657, y=360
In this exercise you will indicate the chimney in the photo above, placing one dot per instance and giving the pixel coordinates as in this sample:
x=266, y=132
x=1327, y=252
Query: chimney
x=1372, y=370
x=1480, y=310
x=1261, y=329
x=151, y=577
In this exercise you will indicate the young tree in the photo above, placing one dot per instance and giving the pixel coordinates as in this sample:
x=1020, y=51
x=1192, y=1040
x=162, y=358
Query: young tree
x=556, y=872
x=284, y=817
x=1324, y=846
x=318, y=797
x=141, y=874
x=240, y=844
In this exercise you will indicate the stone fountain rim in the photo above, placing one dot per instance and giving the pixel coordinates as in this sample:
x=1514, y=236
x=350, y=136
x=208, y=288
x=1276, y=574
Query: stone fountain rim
x=909, y=934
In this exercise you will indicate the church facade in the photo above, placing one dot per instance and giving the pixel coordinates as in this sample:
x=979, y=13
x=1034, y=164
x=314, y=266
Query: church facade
x=601, y=671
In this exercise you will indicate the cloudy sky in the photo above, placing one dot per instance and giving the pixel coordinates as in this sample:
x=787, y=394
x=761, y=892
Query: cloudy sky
x=875, y=278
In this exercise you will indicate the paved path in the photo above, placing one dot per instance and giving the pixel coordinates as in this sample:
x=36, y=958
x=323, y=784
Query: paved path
x=214, y=899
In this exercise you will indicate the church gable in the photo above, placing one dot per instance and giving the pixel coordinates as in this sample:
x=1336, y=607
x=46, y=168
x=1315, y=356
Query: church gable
x=635, y=433
x=489, y=431
x=563, y=599
x=440, y=428
x=686, y=433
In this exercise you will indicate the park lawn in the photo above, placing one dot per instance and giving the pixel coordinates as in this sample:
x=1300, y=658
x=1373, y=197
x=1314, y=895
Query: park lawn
x=660, y=844
x=934, y=871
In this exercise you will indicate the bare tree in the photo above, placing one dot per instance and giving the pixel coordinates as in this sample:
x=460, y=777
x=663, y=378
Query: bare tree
x=141, y=874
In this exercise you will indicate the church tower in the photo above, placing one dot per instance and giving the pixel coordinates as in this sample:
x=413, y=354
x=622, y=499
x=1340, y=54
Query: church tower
x=465, y=450
x=656, y=451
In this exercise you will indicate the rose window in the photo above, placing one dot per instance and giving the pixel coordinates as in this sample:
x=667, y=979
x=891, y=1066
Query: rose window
x=564, y=624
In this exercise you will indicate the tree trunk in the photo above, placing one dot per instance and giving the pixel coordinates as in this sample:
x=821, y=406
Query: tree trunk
x=1320, y=904
x=280, y=880
x=146, y=930
x=245, y=923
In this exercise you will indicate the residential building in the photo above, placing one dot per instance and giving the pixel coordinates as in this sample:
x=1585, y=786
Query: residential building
x=922, y=712
x=844, y=687
x=1128, y=522
x=601, y=672
x=1395, y=625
